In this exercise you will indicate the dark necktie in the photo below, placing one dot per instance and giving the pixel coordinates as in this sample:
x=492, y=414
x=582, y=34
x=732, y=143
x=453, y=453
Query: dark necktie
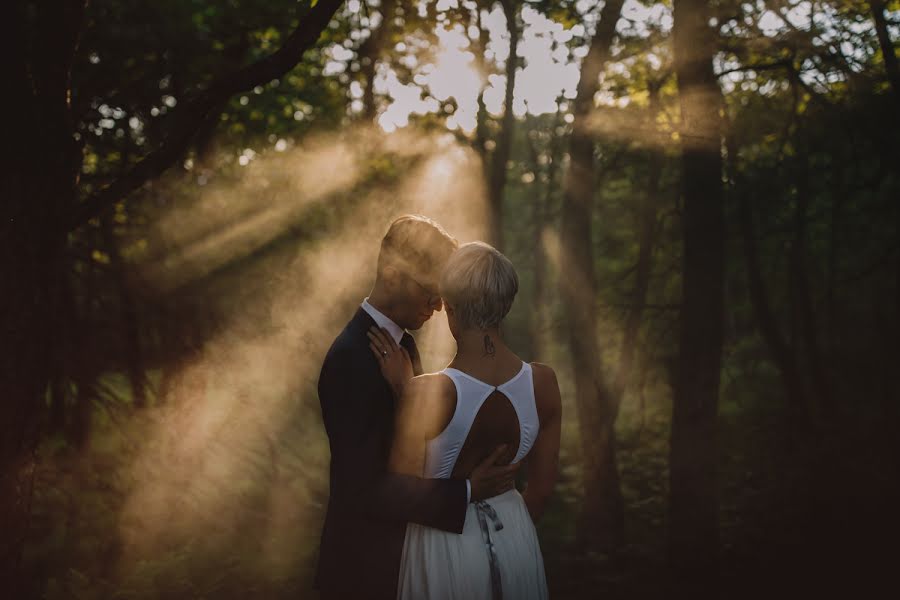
x=409, y=343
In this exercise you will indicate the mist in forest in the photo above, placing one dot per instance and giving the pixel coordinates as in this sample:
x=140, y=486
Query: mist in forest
x=699, y=199
x=221, y=432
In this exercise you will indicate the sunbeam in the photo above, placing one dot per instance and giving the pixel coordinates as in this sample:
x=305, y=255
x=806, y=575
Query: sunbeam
x=226, y=439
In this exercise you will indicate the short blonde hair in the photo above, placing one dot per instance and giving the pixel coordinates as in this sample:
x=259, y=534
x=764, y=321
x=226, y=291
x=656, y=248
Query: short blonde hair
x=416, y=245
x=480, y=284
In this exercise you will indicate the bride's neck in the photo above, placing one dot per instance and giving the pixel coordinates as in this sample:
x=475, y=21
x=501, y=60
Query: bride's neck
x=479, y=343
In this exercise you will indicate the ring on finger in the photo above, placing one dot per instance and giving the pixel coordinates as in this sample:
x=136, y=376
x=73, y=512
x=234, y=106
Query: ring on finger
x=384, y=353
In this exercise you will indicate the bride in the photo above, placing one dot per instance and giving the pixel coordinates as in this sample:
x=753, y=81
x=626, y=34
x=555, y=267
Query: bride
x=486, y=401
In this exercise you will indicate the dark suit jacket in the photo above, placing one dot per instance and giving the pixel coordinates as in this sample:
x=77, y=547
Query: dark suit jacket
x=368, y=507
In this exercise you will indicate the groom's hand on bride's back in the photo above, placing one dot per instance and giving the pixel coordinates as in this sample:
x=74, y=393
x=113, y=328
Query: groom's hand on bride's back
x=490, y=479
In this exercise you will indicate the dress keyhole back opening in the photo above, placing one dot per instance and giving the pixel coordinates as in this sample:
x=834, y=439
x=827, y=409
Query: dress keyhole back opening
x=485, y=417
x=495, y=423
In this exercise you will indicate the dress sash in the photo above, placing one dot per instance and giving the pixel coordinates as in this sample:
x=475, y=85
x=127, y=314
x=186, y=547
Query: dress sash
x=485, y=511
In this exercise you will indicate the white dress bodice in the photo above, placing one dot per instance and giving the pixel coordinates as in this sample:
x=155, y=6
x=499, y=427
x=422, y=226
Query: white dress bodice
x=442, y=451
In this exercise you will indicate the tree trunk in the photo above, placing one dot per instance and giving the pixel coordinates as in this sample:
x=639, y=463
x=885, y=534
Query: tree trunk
x=801, y=294
x=541, y=216
x=647, y=227
x=369, y=53
x=892, y=409
x=134, y=356
x=887, y=46
x=481, y=119
x=782, y=355
x=500, y=156
x=36, y=186
x=535, y=313
x=838, y=198
x=602, y=522
x=780, y=351
x=693, y=499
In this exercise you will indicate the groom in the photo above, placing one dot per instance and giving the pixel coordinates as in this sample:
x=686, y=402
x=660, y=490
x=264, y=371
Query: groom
x=368, y=507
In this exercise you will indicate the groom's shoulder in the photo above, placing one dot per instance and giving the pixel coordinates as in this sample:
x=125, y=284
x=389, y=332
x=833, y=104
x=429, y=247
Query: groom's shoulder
x=344, y=345
x=349, y=346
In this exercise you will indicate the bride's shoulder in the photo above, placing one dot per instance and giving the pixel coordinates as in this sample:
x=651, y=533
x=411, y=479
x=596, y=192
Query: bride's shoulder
x=543, y=373
x=428, y=387
x=429, y=401
x=546, y=388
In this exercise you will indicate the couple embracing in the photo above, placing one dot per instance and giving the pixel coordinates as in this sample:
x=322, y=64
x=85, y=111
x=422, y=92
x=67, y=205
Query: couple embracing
x=423, y=503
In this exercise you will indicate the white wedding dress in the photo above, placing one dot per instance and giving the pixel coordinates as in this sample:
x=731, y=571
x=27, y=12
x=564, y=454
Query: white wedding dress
x=497, y=556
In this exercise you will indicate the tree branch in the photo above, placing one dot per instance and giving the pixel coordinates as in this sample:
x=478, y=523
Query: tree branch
x=769, y=66
x=314, y=17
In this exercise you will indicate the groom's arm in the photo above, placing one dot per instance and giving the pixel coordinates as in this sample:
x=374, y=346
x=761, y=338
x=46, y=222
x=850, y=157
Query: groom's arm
x=360, y=437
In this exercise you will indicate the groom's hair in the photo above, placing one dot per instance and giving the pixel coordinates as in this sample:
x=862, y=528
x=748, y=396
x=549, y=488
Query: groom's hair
x=416, y=245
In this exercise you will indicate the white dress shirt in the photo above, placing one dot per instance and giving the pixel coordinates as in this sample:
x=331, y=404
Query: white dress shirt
x=383, y=320
x=397, y=332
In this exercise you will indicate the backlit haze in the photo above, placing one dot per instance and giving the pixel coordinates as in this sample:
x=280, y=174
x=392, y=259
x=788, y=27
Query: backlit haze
x=551, y=56
x=243, y=388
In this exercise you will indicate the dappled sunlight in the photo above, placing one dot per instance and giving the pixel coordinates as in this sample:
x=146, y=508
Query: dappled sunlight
x=454, y=76
x=548, y=72
x=549, y=67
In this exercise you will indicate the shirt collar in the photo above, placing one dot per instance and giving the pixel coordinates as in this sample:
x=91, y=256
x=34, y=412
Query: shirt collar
x=382, y=321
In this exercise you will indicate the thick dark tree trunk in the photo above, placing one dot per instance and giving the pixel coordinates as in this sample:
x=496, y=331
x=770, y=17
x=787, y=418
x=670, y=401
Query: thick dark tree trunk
x=500, y=156
x=36, y=186
x=603, y=519
x=693, y=498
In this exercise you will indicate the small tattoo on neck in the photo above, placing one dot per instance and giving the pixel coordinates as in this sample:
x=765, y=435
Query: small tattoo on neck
x=489, y=349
